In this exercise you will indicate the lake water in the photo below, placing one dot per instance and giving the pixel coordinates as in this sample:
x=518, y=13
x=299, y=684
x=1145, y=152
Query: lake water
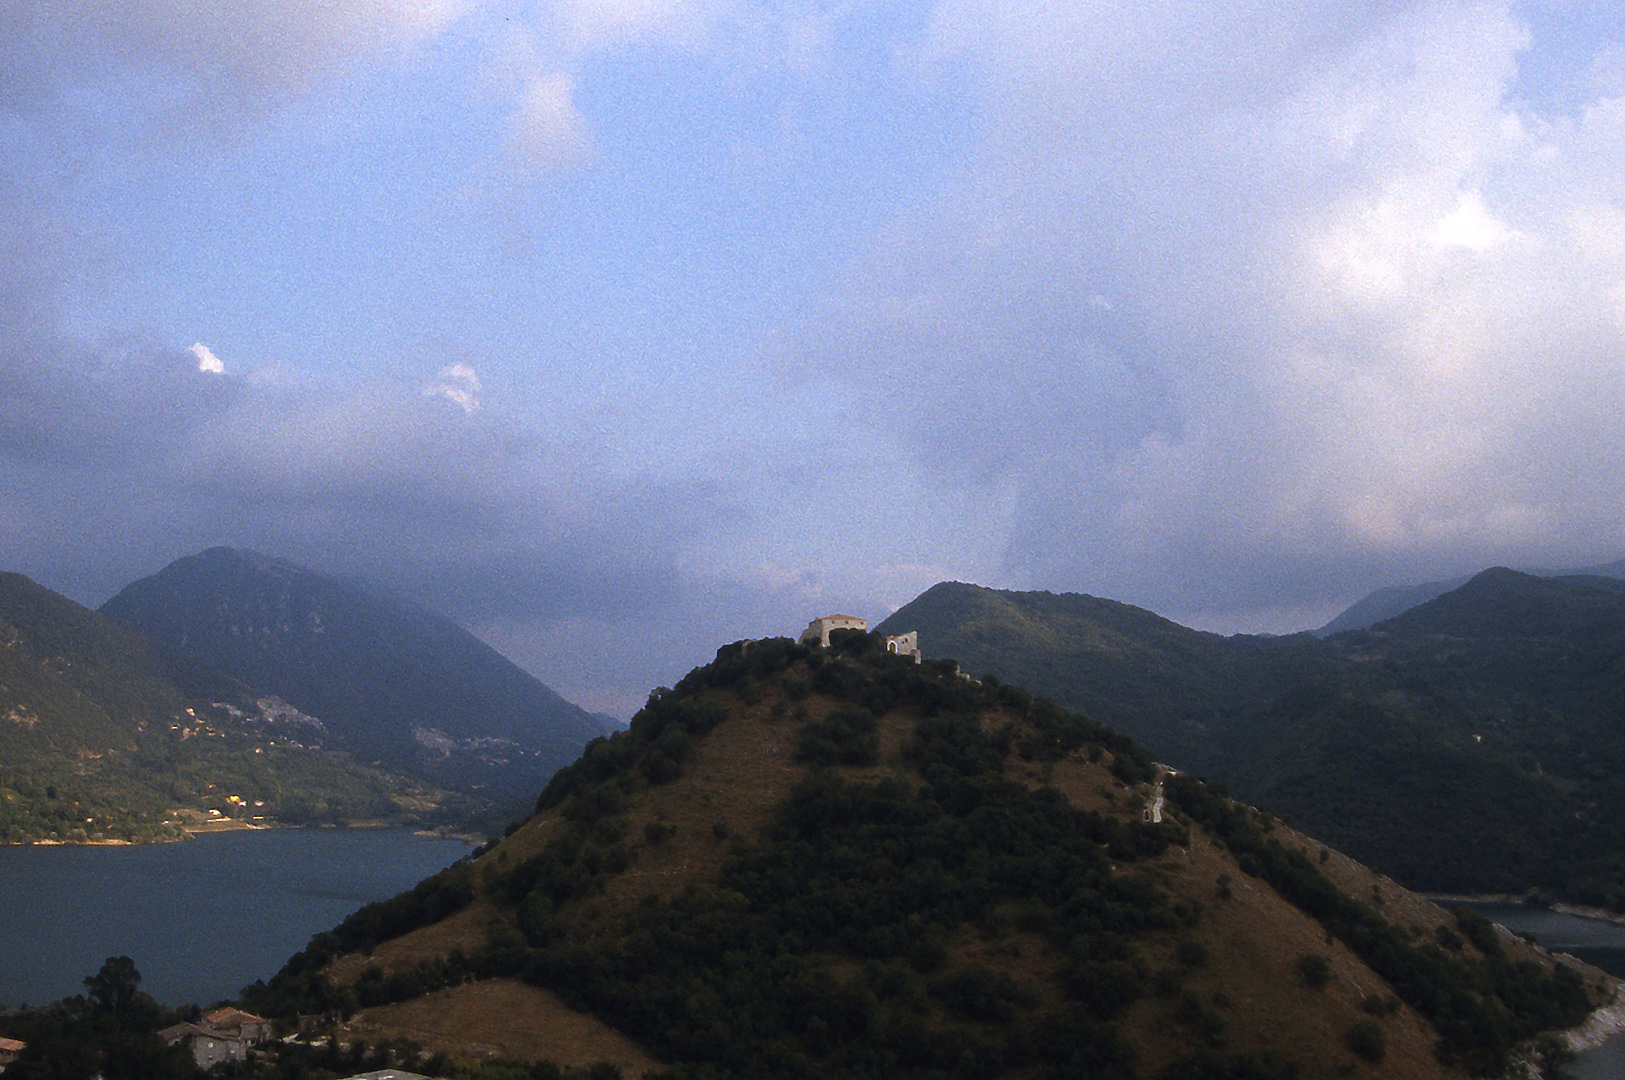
x=201, y=919
x=1601, y=944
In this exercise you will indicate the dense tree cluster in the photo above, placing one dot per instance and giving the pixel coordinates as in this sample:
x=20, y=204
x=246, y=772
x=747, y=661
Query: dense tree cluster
x=107, y=1032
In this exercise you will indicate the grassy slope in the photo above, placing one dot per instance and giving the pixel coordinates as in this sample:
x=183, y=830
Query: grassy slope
x=690, y=835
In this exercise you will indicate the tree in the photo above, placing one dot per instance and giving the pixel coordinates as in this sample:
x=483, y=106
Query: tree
x=114, y=989
x=107, y=1033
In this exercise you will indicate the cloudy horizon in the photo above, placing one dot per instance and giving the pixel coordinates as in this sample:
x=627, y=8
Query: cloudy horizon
x=619, y=329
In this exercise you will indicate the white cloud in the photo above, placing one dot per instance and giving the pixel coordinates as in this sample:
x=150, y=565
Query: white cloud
x=1223, y=307
x=201, y=55
x=1360, y=300
x=461, y=388
x=1470, y=226
x=207, y=361
x=549, y=134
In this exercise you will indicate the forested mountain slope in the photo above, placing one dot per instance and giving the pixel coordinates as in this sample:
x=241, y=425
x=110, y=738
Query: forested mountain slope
x=392, y=682
x=1471, y=743
x=836, y=863
x=105, y=737
x=1387, y=602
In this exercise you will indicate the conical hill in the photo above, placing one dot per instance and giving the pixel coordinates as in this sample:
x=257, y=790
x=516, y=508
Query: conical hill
x=836, y=863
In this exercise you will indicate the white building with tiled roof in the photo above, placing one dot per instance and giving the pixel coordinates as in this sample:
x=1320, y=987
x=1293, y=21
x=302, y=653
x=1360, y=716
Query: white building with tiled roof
x=819, y=629
x=223, y=1035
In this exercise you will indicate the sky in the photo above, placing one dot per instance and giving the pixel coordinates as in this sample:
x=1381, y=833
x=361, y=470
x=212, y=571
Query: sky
x=622, y=329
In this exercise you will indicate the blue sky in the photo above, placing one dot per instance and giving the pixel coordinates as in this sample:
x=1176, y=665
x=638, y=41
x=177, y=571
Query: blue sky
x=620, y=329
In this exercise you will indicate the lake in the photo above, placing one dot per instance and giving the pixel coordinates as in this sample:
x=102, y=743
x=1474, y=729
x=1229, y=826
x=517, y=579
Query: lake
x=200, y=919
x=1601, y=944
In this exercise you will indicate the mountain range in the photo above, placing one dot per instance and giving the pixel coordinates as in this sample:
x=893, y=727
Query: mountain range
x=232, y=685
x=396, y=684
x=1471, y=743
x=105, y=737
x=837, y=862
x=1391, y=600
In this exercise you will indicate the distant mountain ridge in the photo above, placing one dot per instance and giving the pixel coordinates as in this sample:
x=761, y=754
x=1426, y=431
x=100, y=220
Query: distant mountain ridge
x=1506, y=603
x=1469, y=743
x=394, y=682
x=1387, y=602
x=104, y=737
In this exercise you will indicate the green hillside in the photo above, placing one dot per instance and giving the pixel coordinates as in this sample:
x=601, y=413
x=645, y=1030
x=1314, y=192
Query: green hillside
x=839, y=864
x=400, y=686
x=103, y=737
x=1471, y=743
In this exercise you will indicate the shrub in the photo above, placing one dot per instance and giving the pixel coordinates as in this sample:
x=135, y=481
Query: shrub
x=596, y=803
x=1105, y=988
x=1478, y=930
x=1207, y=1065
x=538, y=921
x=1448, y=938
x=1377, y=1005
x=1207, y=1025
x=845, y=737
x=979, y=993
x=1367, y=1039
x=1315, y=970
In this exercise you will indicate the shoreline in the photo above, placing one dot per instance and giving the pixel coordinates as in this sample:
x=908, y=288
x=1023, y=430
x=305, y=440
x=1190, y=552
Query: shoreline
x=222, y=825
x=1579, y=911
x=1604, y=1023
x=207, y=828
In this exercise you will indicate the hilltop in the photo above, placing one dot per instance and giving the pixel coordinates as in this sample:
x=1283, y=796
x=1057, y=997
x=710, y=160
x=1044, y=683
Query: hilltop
x=1468, y=744
x=396, y=684
x=104, y=738
x=838, y=863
